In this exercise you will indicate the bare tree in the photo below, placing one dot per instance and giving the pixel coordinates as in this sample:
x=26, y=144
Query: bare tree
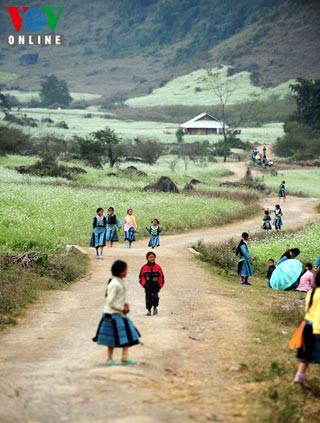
x=224, y=90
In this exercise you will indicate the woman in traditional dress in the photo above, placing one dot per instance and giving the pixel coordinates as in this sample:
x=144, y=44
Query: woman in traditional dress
x=115, y=329
x=282, y=191
x=154, y=231
x=245, y=268
x=277, y=221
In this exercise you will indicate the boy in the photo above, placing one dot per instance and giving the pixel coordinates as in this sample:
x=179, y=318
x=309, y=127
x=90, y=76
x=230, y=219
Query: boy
x=152, y=280
x=270, y=270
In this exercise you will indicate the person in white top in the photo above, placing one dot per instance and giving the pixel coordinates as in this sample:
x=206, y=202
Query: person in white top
x=115, y=328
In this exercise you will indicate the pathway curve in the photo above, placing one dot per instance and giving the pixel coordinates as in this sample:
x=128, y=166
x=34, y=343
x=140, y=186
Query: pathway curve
x=50, y=370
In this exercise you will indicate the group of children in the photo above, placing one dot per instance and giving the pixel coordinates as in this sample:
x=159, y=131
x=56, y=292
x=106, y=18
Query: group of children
x=278, y=213
x=106, y=227
x=307, y=336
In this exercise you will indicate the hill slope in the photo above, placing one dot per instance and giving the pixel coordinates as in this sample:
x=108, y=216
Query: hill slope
x=126, y=48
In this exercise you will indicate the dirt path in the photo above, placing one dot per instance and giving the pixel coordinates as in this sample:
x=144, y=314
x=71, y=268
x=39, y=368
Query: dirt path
x=52, y=372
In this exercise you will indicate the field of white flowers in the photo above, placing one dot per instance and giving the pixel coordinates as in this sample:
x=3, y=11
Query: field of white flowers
x=306, y=239
x=298, y=181
x=41, y=214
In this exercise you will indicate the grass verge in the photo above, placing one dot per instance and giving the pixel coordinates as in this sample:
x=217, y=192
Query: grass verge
x=21, y=286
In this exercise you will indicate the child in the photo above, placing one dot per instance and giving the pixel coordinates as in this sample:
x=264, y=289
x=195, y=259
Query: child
x=130, y=227
x=282, y=191
x=98, y=238
x=306, y=281
x=266, y=221
x=309, y=351
x=112, y=225
x=277, y=221
x=154, y=231
x=115, y=330
x=151, y=277
x=270, y=270
x=244, y=265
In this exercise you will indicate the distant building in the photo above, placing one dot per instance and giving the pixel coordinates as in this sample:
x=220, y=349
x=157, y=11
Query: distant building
x=205, y=124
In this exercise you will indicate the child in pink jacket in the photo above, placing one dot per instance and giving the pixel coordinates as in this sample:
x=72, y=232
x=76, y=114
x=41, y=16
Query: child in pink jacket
x=306, y=280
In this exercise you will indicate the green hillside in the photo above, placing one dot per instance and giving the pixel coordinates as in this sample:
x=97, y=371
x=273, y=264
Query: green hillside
x=129, y=48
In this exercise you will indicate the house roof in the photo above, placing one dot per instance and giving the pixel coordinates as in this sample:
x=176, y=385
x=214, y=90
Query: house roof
x=198, y=122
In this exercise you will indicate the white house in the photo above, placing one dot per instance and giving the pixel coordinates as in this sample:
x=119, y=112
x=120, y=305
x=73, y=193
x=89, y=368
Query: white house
x=203, y=124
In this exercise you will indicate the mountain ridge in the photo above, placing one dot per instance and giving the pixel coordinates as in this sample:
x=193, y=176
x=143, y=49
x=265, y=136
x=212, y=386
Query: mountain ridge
x=128, y=48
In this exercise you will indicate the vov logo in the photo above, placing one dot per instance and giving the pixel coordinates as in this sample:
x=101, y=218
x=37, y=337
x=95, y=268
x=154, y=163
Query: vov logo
x=35, y=19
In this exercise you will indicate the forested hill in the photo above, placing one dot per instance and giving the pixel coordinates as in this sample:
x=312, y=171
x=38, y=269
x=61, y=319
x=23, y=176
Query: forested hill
x=128, y=47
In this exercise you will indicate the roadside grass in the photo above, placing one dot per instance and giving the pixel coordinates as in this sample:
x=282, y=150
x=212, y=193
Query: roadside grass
x=193, y=89
x=265, y=366
x=262, y=247
x=20, y=287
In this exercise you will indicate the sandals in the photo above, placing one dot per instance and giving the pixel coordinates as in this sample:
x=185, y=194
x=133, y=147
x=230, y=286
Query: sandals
x=128, y=363
x=110, y=363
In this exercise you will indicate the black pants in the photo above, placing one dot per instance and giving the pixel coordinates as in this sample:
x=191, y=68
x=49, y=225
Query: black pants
x=152, y=299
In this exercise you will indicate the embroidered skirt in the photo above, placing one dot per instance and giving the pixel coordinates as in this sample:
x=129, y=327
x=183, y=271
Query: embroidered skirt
x=245, y=268
x=154, y=241
x=115, y=330
x=111, y=233
x=129, y=234
x=98, y=238
x=309, y=352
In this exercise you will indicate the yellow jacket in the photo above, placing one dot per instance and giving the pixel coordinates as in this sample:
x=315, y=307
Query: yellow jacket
x=313, y=315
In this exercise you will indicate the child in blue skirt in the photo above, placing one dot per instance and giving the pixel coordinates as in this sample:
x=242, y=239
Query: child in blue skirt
x=115, y=329
x=98, y=238
x=113, y=224
x=154, y=231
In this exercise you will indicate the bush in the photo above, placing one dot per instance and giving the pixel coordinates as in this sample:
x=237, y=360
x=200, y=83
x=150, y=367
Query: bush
x=14, y=141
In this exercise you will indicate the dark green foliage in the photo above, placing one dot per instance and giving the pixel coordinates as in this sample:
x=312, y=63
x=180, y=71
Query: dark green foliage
x=302, y=129
x=149, y=151
x=307, y=95
x=14, y=141
x=98, y=146
x=179, y=134
x=53, y=91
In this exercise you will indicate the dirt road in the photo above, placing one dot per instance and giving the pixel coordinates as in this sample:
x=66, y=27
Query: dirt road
x=52, y=372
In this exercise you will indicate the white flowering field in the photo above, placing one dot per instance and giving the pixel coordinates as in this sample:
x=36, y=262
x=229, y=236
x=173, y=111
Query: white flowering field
x=41, y=214
x=298, y=181
x=307, y=240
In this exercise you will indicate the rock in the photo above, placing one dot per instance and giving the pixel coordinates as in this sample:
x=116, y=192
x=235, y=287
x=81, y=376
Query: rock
x=164, y=184
x=188, y=187
x=132, y=169
x=195, y=181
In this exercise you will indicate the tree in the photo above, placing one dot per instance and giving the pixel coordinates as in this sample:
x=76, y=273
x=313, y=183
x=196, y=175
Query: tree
x=4, y=103
x=98, y=146
x=307, y=96
x=224, y=89
x=54, y=90
x=179, y=134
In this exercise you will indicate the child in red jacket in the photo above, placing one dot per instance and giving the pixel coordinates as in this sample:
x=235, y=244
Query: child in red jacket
x=152, y=279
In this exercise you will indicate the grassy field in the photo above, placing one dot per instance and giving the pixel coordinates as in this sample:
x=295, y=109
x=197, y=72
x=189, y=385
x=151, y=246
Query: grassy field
x=48, y=215
x=6, y=77
x=162, y=131
x=298, y=181
x=25, y=96
x=193, y=89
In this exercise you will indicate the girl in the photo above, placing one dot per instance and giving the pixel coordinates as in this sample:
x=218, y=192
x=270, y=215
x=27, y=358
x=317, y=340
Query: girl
x=309, y=351
x=130, y=227
x=113, y=224
x=282, y=191
x=154, y=231
x=244, y=265
x=306, y=281
x=266, y=221
x=277, y=221
x=98, y=238
x=115, y=330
